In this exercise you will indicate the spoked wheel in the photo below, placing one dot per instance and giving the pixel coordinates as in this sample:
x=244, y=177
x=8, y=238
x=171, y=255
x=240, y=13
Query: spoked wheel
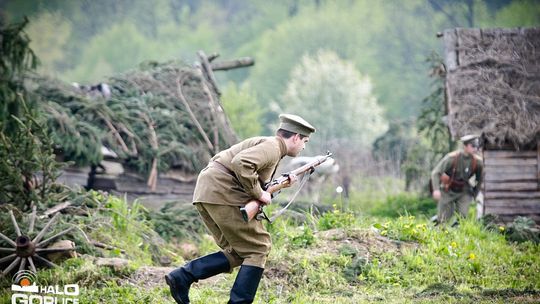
x=25, y=250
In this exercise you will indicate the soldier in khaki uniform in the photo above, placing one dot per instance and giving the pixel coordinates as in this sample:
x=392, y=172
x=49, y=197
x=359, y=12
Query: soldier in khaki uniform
x=232, y=178
x=450, y=179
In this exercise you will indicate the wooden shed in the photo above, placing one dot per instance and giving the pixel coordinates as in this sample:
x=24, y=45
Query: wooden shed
x=493, y=89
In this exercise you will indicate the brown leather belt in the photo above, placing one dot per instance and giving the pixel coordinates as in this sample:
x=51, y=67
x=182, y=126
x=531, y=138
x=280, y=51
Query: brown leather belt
x=221, y=168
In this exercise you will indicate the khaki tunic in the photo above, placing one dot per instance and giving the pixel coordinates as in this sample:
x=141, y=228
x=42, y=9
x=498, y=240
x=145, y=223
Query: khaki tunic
x=253, y=162
x=452, y=201
x=219, y=193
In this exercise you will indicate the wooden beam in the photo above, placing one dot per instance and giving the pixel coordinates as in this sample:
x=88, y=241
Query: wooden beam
x=233, y=64
x=512, y=210
x=512, y=195
x=510, y=169
x=521, y=186
x=511, y=162
x=510, y=177
x=510, y=154
x=514, y=202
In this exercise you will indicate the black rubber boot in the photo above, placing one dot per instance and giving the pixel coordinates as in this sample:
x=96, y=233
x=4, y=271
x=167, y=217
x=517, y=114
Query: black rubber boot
x=180, y=279
x=246, y=284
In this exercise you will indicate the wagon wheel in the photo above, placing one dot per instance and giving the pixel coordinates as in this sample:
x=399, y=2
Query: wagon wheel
x=25, y=250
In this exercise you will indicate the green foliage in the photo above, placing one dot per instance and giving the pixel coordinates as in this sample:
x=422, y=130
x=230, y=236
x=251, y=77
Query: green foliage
x=389, y=47
x=49, y=32
x=178, y=223
x=467, y=256
x=305, y=239
x=28, y=169
x=393, y=145
x=335, y=219
x=522, y=229
x=403, y=204
x=139, y=128
x=16, y=59
x=435, y=139
x=123, y=215
x=522, y=13
x=369, y=192
x=240, y=104
x=430, y=122
x=405, y=228
x=124, y=226
x=337, y=99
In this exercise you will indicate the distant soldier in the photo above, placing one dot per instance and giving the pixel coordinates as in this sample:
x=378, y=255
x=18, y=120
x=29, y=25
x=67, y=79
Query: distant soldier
x=451, y=179
x=232, y=178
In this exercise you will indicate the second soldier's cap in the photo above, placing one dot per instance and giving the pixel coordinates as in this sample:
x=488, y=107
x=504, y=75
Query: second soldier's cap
x=473, y=139
x=295, y=124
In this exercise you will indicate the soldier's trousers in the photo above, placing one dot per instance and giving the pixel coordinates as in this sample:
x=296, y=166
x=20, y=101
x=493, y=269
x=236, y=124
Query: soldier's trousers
x=451, y=202
x=242, y=243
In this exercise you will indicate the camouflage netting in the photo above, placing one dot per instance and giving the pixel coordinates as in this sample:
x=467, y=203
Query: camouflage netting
x=493, y=84
x=143, y=116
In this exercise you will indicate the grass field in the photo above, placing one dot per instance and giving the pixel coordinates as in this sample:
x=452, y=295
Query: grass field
x=336, y=257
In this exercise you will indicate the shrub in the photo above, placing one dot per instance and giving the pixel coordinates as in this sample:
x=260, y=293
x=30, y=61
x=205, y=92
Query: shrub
x=335, y=219
x=405, y=203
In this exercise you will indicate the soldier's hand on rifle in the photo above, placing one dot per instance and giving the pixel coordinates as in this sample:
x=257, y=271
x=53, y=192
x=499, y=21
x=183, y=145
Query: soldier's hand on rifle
x=437, y=195
x=266, y=198
x=292, y=179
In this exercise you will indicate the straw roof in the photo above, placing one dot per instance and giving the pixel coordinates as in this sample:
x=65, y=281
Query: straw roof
x=493, y=84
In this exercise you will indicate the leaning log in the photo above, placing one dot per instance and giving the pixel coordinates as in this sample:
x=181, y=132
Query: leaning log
x=232, y=64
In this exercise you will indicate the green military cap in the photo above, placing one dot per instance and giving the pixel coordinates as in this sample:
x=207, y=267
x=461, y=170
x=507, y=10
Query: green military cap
x=471, y=139
x=295, y=124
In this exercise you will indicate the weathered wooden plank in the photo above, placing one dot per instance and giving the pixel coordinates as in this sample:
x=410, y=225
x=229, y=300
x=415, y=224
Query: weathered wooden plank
x=510, y=169
x=514, y=176
x=520, y=186
x=511, y=161
x=508, y=218
x=513, y=202
x=514, y=210
x=509, y=154
x=511, y=195
x=450, y=44
x=538, y=163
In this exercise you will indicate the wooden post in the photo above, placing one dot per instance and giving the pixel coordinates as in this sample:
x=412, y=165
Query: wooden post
x=207, y=71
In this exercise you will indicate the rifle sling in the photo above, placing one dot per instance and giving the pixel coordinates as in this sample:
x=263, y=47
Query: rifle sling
x=302, y=183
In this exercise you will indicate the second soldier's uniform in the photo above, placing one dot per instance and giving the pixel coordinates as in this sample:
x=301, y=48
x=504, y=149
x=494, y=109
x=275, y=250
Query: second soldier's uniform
x=459, y=193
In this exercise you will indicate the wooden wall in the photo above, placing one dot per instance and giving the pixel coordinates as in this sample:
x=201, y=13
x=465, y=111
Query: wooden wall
x=512, y=183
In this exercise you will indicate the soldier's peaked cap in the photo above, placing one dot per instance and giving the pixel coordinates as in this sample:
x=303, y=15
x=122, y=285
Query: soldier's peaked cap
x=295, y=124
x=469, y=138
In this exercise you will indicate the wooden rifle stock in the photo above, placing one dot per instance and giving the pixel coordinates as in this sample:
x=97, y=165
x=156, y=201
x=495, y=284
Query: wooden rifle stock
x=254, y=207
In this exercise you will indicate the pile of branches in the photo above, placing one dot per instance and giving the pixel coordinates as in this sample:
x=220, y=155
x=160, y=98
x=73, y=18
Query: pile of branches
x=158, y=117
x=495, y=90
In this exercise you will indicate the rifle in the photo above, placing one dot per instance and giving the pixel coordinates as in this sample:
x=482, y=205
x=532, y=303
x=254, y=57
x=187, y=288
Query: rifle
x=254, y=208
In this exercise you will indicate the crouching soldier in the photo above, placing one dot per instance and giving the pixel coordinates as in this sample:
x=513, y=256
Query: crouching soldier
x=451, y=179
x=232, y=178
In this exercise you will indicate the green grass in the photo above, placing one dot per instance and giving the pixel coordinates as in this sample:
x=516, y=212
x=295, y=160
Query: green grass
x=338, y=257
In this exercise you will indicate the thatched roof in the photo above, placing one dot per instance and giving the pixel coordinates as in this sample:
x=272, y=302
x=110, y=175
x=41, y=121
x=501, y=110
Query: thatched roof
x=493, y=84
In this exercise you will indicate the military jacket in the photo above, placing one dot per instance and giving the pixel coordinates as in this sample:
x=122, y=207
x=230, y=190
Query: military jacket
x=249, y=165
x=463, y=169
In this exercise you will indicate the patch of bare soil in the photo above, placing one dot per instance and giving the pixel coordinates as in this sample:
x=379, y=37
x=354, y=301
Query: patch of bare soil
x=150, y=277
